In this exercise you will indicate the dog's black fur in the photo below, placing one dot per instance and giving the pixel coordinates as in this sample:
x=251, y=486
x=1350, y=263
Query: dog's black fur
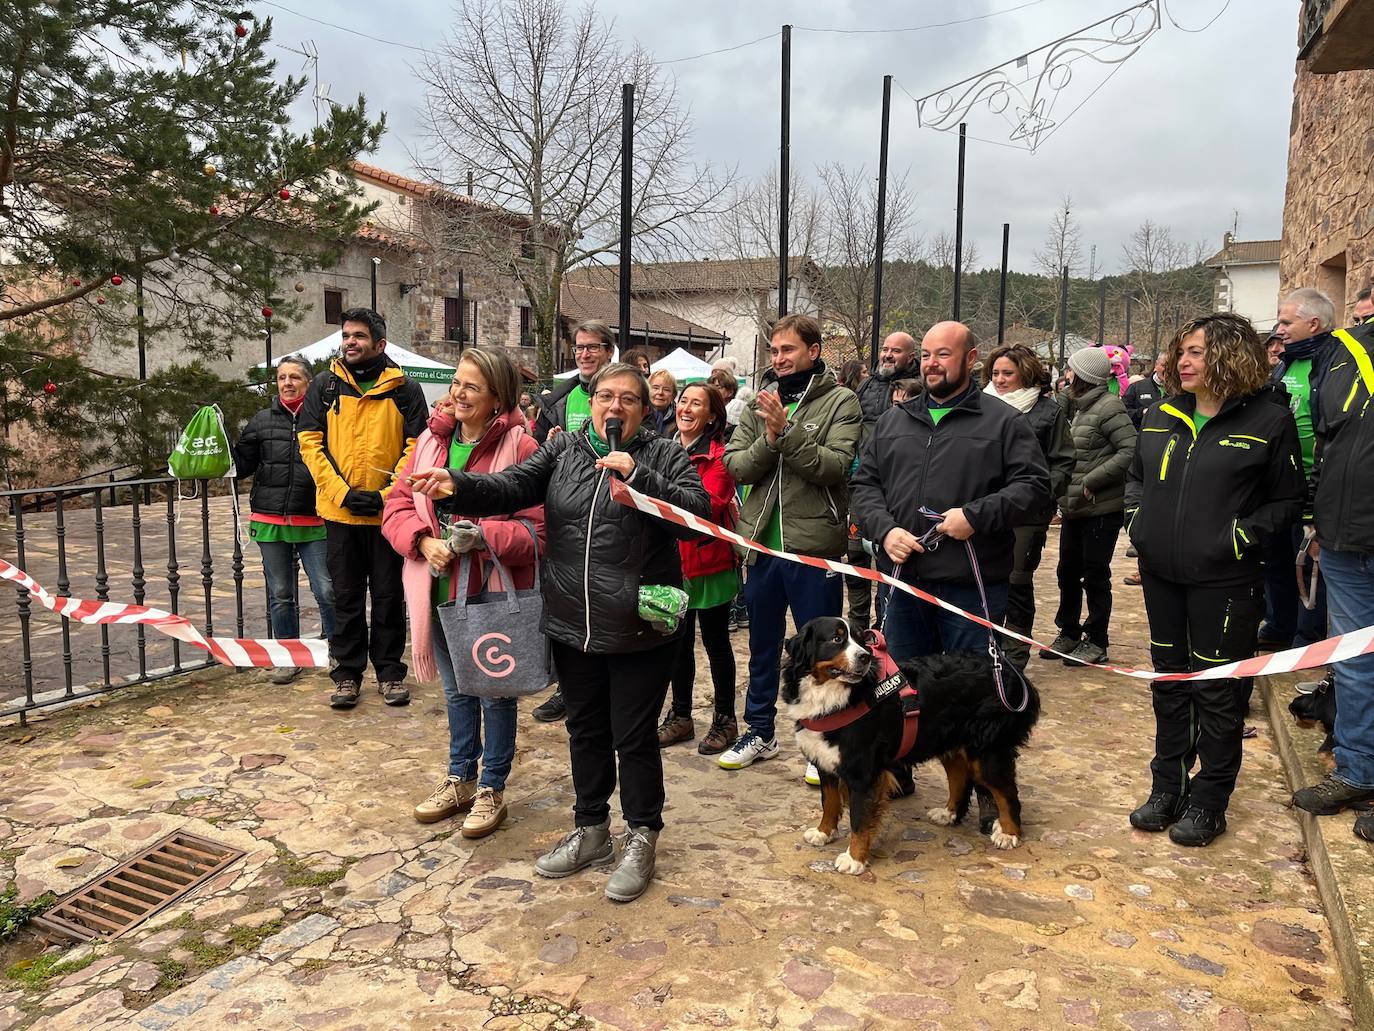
x=1319, y=709
x=962, y=722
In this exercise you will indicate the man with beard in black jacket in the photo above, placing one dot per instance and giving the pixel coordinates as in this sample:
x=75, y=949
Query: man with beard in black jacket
x=974, y=462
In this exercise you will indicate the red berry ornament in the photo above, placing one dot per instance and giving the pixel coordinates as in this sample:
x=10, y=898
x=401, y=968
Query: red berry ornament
x=214, y=209
x=284, y=194
x=100, y=300
x=267, y=313
x=240, y=31
x=76, y=282
x=116, y=279
x=50, y=387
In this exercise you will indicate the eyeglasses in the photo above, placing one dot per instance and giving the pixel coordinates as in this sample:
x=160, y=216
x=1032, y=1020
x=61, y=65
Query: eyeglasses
x=606, y=397
x=588, y=348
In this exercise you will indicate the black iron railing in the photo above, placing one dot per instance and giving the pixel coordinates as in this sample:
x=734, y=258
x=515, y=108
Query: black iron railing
x=137, y=550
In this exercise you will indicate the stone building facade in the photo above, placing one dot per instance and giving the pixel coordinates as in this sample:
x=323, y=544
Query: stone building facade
x=1328, y=212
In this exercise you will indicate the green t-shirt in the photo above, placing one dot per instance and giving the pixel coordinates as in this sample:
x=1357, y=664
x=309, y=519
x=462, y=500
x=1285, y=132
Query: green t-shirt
x=364, y=385
x=938, y=413
x=274, y=533
x=1297, y=377
x=711, y=590
x=1199, y=421
x=578, y=410
x=1113, y=385
x=772, y=530
x=458, y=455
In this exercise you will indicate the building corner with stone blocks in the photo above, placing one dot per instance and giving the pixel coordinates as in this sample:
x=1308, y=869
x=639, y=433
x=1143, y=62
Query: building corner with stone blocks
x=1328, y=211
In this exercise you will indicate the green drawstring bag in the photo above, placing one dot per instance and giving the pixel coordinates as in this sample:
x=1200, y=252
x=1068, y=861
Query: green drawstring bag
x=203, y=452
x=662, y=607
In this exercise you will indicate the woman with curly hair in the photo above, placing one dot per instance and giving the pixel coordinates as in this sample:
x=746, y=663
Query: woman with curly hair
x=1216, y=471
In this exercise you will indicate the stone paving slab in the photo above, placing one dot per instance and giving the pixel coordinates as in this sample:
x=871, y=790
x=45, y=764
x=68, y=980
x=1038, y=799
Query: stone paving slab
x=347, y=913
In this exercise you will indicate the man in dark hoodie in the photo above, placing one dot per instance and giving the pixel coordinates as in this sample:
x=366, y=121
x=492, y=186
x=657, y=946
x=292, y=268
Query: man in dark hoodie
x=974, y=462
x=793, y=450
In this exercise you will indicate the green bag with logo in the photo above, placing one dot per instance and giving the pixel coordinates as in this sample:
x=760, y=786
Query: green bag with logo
x=203, y=452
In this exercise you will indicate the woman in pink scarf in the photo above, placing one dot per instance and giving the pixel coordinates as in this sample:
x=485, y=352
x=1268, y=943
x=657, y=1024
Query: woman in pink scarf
x=477, y=427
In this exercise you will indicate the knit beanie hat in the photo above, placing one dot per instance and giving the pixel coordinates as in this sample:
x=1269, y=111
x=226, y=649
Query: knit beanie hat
x=1091, y=365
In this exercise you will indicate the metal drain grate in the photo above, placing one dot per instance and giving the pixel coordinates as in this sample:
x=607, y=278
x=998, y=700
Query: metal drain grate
x=114, y=902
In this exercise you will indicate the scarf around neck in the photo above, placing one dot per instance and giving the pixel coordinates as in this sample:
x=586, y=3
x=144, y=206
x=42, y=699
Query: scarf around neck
x=294, y=407
x=793, y=386
x=1023, y=400
x=368, y=370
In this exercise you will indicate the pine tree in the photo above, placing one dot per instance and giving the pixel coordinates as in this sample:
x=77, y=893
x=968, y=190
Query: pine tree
x=150, y=183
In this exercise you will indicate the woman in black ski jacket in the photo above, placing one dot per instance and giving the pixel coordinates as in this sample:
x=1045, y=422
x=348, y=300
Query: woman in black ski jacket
x=1217, y=469
x=613, y=667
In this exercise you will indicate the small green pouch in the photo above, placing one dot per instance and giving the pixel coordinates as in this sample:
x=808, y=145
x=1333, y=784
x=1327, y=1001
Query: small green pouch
x=662, y=607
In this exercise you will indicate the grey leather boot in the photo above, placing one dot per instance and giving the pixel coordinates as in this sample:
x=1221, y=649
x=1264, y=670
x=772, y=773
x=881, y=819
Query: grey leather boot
x=636, y=867
x=583, y=847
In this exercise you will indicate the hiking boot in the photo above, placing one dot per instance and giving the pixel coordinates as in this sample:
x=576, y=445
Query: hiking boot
x=450, y=798
x=723, y=733
x=579, y=849
x=1160, y=810
x=284, y=674
x=394, y=692
x=1198, y=827
x=1086, y=653
x=636, y=869
x=1063, y=643
x=1330, y=797
x=675, y=728
x=1313, y=686
x=553, y=708
x=345, y=694
x=812, y=775
x=1364, y=826
x=488, y=812
x=747, y=750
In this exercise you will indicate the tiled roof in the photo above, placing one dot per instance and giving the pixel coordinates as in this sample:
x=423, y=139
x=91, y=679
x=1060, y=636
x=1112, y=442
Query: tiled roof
x=710, y=275
x=416, y=188
x=581, y=302
x=1246, y=252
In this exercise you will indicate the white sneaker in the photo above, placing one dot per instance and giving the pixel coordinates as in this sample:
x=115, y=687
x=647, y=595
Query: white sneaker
x=812, y=775
x=748, y=749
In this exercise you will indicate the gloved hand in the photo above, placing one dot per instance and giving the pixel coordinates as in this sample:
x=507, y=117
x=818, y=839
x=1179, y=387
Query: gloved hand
x=363, y=502
x=465, y=536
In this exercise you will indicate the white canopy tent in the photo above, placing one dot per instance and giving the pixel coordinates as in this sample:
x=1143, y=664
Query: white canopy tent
x=433, y=376
x=684, y=365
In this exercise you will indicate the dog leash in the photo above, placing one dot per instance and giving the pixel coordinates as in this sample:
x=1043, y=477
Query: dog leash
x=934, y=537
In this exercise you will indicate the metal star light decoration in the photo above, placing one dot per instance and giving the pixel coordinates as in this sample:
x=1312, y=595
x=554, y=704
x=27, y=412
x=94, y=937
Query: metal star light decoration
x=1027, y=91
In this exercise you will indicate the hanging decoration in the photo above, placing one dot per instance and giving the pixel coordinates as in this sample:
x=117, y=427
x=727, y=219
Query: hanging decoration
x=1032, y=93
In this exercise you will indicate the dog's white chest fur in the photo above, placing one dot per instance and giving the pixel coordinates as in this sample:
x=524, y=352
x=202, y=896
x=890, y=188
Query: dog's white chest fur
x=818, y=750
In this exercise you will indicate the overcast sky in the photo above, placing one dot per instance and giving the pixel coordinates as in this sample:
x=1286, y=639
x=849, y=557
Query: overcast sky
x=1191, y=129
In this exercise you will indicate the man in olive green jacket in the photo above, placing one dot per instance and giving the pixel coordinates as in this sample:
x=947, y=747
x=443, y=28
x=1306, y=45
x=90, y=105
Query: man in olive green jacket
x=792, y=452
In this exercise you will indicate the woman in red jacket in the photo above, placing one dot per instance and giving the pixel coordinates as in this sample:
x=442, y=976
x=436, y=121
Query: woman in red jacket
x=477, y=427
x=710, y=579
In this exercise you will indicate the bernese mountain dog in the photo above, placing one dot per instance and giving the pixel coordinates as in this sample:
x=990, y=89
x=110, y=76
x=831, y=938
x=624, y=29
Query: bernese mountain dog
x=963, y=723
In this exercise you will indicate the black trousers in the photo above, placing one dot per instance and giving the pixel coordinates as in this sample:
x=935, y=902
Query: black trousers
x=858, y=591
x=613, y=706
x=1030, y=548
x=715, y=638
x=362, y=563
x=1194, y=628
x=1086, y=545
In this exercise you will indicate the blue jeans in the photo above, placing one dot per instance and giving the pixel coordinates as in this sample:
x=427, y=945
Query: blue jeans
x=914, y=628
x=1350, y=600
x=771, y=587
x=466, y=716
x=279, y=570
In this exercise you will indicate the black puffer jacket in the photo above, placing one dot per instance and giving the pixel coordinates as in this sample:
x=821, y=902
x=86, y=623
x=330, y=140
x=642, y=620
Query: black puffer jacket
x=1050, y=423
x=1104, y=444
x=1343, y=474
x=269, y=451
x=875, y=395
x=599, y=552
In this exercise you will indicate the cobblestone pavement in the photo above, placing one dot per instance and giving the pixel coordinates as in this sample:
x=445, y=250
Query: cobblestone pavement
x=348, y=914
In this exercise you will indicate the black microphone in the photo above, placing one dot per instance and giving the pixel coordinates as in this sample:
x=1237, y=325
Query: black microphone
x=613, y=427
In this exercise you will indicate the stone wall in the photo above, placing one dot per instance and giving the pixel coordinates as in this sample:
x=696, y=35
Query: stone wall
x=1328, y=212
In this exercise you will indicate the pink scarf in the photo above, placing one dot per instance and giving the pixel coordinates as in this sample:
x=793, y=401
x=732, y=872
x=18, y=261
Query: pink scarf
x=432, y=450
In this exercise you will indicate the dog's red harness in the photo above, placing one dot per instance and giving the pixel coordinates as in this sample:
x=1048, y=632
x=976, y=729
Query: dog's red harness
x=891, y=680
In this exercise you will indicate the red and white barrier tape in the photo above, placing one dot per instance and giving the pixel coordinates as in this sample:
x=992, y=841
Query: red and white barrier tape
x=1333, y=649
x=231, y=651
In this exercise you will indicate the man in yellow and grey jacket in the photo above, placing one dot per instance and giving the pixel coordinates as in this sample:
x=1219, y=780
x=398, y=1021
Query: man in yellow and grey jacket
x=360, y=419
